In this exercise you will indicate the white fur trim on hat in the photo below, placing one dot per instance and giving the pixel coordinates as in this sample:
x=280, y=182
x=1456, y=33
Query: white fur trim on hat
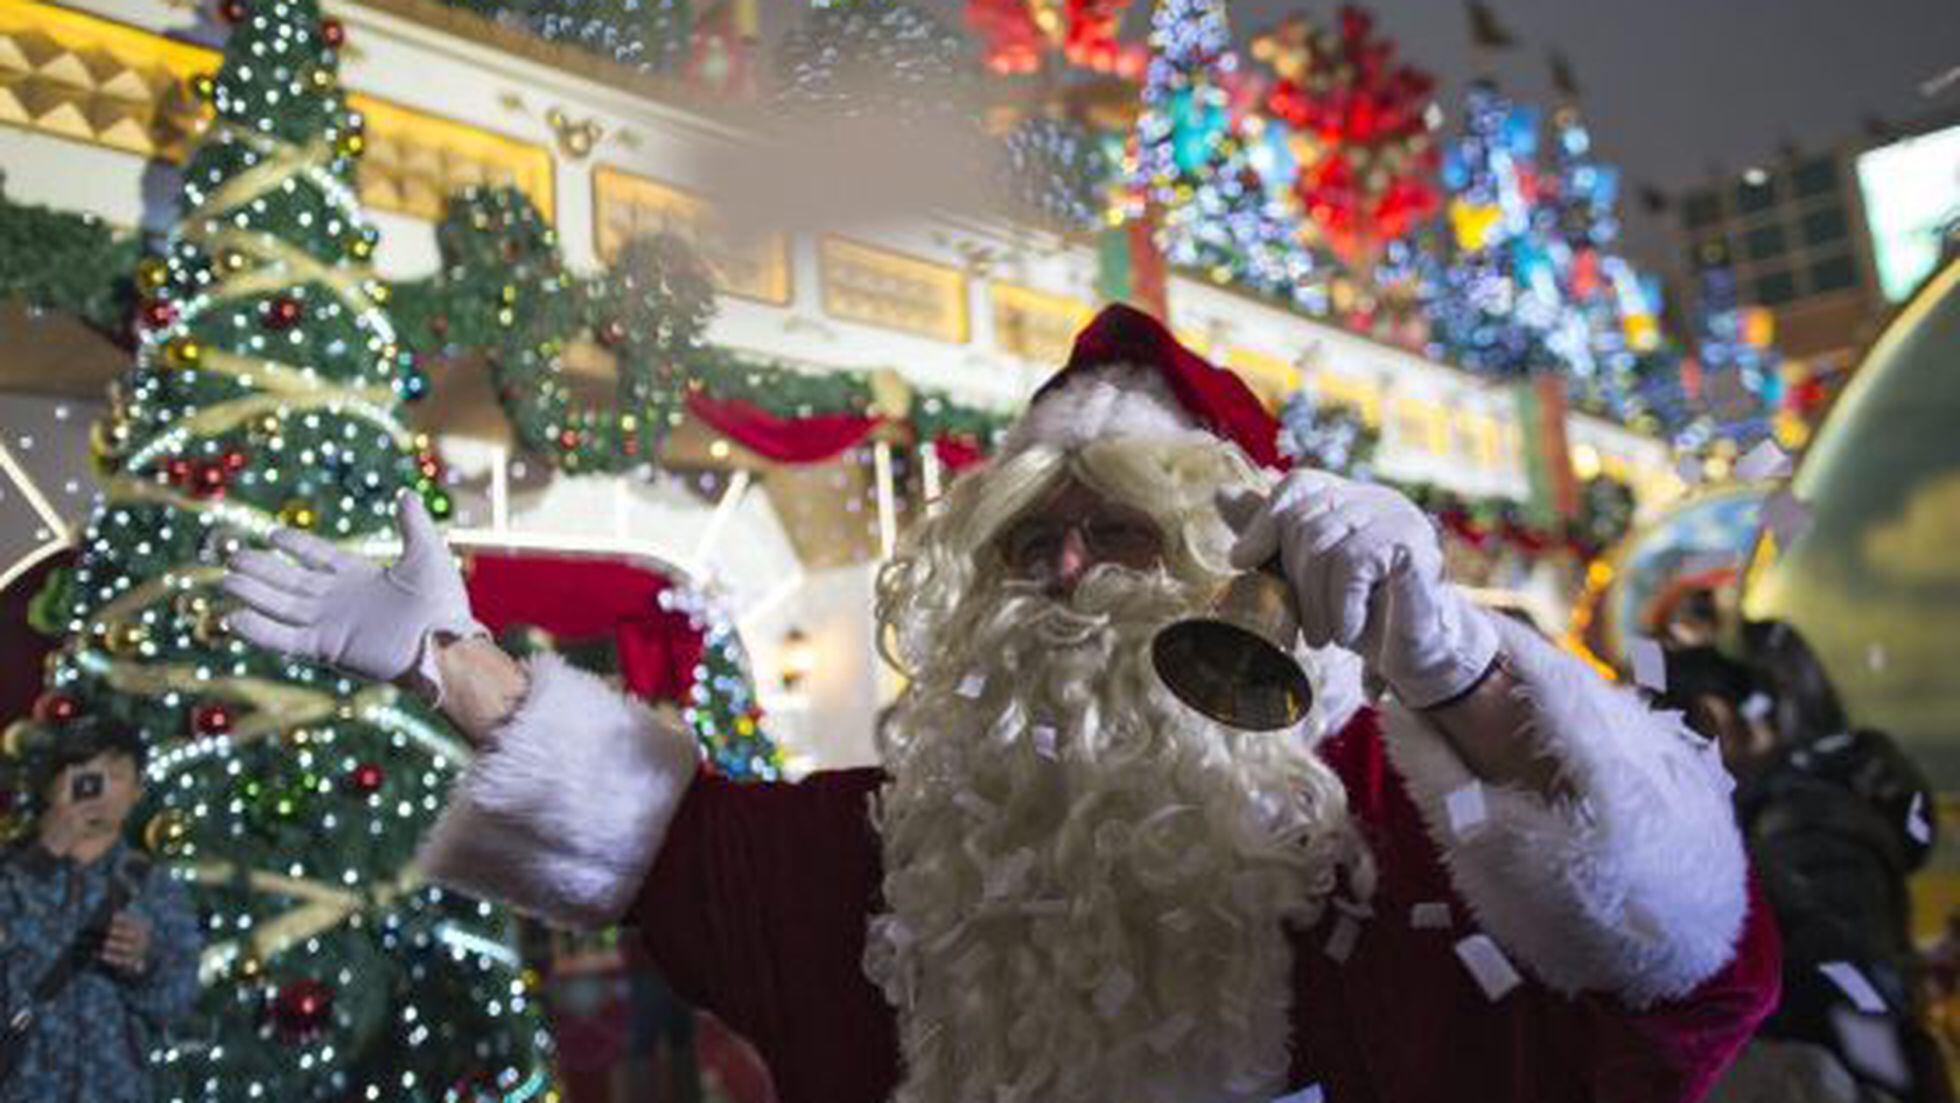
x=1115, y=400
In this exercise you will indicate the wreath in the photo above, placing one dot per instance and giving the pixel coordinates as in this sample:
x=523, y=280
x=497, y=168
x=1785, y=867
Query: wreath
x=505, y=292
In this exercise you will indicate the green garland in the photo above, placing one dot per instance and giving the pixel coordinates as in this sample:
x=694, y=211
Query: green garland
x=73, y=263
x=504, y=292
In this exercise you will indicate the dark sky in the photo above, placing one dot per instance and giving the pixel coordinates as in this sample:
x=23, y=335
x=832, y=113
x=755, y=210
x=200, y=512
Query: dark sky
x=1675, y=87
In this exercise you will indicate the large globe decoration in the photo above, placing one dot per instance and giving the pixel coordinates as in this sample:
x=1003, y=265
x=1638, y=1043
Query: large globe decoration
x=1873, y=584
x=1703, y=536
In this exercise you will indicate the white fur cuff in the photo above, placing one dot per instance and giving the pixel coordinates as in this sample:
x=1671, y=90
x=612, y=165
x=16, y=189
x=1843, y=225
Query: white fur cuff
x=562, y=817
x=1638, y=886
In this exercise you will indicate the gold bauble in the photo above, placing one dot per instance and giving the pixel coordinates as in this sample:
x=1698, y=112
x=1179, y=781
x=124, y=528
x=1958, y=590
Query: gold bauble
x=14, y=741
x=107, y=442
x=166, y=833
x=183, y=352
x=209, y=629
x=125, y=638
x=298, y=513
x=152, y=273
x=247, y=964
x=353, y=145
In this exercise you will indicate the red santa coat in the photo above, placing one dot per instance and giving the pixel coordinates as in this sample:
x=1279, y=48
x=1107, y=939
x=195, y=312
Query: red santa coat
x=1647, y=960
x=757, y=906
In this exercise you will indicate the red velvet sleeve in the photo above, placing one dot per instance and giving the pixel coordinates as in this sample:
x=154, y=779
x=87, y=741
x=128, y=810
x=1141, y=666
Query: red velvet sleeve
x=1401, y=1020
x=756, y=910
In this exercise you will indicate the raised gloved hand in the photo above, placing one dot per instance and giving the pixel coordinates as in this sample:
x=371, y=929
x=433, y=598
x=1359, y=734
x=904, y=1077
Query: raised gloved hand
x=320, y=602
x=1367, y=571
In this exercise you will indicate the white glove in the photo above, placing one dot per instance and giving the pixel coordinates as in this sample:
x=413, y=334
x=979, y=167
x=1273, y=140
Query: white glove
x=1367, y=572
x=320, y=602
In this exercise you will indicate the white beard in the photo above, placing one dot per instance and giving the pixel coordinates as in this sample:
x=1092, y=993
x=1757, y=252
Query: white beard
x=1088, y=885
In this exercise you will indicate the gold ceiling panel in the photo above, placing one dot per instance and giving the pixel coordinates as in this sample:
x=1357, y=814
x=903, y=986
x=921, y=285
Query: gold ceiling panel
x=1271, y=377
x=83, y=77
x=863, y=283
x=1037, y=326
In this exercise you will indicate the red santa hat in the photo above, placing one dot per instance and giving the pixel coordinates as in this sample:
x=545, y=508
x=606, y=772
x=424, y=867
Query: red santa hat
x=1128, y=376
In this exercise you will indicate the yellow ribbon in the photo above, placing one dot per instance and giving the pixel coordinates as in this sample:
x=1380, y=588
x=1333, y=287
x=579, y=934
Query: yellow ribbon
x=282, y=162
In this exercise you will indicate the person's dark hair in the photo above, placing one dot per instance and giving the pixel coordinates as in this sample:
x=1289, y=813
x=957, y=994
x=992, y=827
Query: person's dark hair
x=1807, y=707
x=76, y=742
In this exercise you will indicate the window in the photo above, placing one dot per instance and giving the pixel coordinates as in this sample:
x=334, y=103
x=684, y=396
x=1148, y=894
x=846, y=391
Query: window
x=1775, y=288
x=1764, y=242
x=1703, y=208
x=1833, y=273
x=1817, y=176
x=1755, y=193
x=1709, y=253
x=1824, y=225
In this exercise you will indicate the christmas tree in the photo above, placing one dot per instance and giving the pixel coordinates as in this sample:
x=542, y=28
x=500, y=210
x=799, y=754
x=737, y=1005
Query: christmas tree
x=1735, y=375
x=1498, y=308
x=1614, y=319
x=1350, y=127
x=266, y=391
x=1195, y=164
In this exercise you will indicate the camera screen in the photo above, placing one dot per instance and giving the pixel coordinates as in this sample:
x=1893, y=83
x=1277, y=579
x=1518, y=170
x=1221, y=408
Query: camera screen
x=86, y=786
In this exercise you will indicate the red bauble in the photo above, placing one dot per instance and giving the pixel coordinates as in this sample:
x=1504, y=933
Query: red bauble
x=366, y=778
x=284, y=313
x=56, y=708
x=612, y=334
x=211, y=478
x=179, y=471
x=156, y=314
x=211, y=719
x=334, y=32
x=568, y=439
x=234, y=459
x=234, y=11
x=300, y=1009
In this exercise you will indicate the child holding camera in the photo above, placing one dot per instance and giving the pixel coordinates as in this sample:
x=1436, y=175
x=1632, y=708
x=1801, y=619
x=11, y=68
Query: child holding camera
x=98, y=950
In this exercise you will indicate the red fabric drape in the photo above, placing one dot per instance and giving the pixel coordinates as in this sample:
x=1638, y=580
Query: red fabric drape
x=787, y=440
x=957, y=453
x=574, y=598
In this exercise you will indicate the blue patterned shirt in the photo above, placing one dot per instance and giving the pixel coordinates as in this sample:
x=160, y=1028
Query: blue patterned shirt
x=91, y=1043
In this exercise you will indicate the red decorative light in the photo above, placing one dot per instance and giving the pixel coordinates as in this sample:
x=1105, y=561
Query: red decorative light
x=283, y=313
x=301, y=1009
x=366, y=778
x=211, y=719
x=56, y=708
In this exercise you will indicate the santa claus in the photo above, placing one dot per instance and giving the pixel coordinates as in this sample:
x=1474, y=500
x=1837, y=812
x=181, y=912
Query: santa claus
x=1502, y=880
